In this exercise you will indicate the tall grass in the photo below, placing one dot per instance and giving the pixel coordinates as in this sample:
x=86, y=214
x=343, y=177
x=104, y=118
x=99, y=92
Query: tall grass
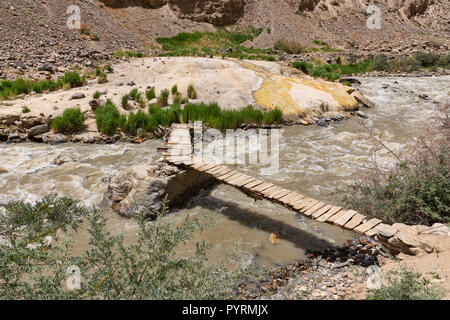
x=107, y=118
x=416, y=62
x=219, y=43
x=72, y=120
x=11, y=89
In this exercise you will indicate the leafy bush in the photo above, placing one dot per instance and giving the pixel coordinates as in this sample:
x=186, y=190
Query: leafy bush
x=417, y=189
x=163, y=99
x=407, y=285
x=72, y=120
x=289, y=47
x=222, y=42
x=191, y=92
x=381, y=63
x=174, y=90
x=426, y=59
x=73, y=79
x=97, y=95
x=107, y=118
x=26, y=110
x=150, y=94
x=147, y=268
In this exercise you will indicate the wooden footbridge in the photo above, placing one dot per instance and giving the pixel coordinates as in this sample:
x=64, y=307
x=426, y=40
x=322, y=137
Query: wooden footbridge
x=178, y=151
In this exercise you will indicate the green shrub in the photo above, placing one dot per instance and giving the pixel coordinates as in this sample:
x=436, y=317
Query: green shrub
x=107, y=118
x=191, y=92
x=163, y=99
x=426, y=60
x=26, y=110
x=416, y=190
x=125, y=100
x=97, y=95
x=174, y=90
x=445, y=61
x=381, y=63
x=407, y=285
x=289, y=47
x=72, y=120
x=150, y=94
x=112, y=268
x=73, y=79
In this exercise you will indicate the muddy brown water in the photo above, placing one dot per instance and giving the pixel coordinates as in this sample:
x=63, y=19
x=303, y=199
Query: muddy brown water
x=314, y=161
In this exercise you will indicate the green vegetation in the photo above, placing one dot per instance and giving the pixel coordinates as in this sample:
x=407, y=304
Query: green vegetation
x=417, y=189
x=150, y=94
x=175, y=90
x=332, y=72
x=407, y=285
x=72, y=120
x=107, y=118
x=97, y=95
x=220, y=43
x=31, y=268
x=26, y=110
x=213, y=116
x=191, y=92
x=163, y=99
x=11, y=89
x=380, y=62
x=129, y=54
x=288, y=47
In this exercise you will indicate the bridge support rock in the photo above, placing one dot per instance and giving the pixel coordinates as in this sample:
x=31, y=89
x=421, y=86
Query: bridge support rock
x=146, y=186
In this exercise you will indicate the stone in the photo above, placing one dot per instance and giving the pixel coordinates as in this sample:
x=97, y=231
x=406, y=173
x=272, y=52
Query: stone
x=37, y=130
x=146, y=186
x=437, y=229
x=95, y=103
x=362, y=99
x=386, y=230
x=362, y=114
x=52, y=138
x=78, y=95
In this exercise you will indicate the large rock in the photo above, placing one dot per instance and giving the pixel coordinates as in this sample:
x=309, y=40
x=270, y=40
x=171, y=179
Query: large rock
x=37, y=130
x=146, y=186
x=217, y=12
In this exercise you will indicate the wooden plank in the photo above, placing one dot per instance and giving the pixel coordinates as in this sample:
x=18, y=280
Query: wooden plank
x=355, y=221
x=222, y=172
x=334, y=210
x=253, y=184
x=207, y=167
x=296, y=200
x=372, y=232
x=309, y=205
x=262, y=187
x=271, y=190
x=247, y=181
x=237, y=180
x=341, y=221
x=314, y=208
x=281, y=194
x=304, y=202
x=321, y=211
x=233, y=177
x=226, y=175
x=289, y=197
x=231, y=174
x=198, y=165
x=366, y=226
x=339, y=214
x=216, y=169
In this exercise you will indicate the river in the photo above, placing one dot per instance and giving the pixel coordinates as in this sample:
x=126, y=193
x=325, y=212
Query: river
x=314, y=161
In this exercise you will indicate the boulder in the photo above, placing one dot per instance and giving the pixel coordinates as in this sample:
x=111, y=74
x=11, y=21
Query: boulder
x=146, y=186
x=386, y=231
x=217, y=12
x=37, y=130
x=52, y=138
x=362, y=99
x=78, y=95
